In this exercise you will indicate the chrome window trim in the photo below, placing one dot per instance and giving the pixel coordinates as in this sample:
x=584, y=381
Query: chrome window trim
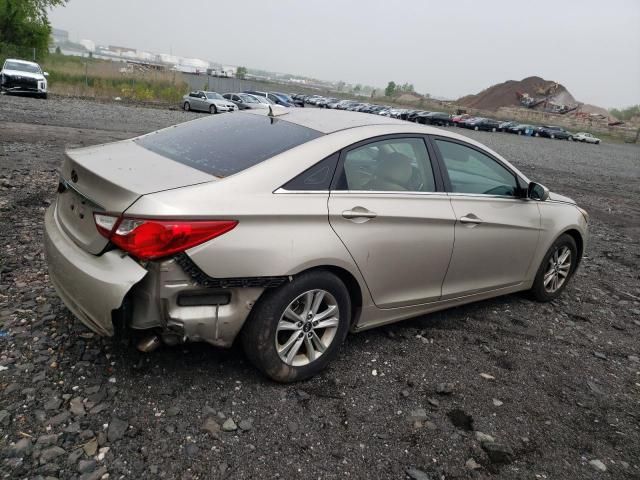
x=397, y=192
x=358, y=192
x=285, y=191
x=386, y=192
x=484, y=195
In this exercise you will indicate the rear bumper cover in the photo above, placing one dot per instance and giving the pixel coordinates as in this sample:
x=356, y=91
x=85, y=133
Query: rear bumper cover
x=90, y=286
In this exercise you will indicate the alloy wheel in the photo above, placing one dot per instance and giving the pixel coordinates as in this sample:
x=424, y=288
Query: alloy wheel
x=558, y=269
x=307, y=327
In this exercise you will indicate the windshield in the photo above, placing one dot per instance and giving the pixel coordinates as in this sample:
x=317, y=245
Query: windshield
x=248, y=98
x=214, y=96
x=22, y=67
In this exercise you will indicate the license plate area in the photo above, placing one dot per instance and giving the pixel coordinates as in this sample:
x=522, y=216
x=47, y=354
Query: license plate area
x=75, y=213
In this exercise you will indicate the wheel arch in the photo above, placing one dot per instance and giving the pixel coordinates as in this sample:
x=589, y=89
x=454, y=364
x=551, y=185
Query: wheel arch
x=577, y=237
x=350, y=281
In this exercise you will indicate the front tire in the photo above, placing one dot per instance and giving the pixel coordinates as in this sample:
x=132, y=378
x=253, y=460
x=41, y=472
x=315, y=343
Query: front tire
x=213, y=110
x=556, y=269
x=293, y=332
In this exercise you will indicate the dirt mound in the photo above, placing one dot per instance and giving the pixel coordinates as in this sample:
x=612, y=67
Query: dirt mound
x=507, y=94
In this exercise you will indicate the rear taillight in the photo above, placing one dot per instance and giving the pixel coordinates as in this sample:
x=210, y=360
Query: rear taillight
x=147, y=239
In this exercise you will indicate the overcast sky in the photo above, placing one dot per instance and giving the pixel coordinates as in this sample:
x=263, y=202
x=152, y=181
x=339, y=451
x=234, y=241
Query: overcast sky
x=446, y=49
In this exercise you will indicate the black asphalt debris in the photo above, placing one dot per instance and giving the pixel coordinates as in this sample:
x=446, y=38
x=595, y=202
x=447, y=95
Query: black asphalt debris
x=562, y=401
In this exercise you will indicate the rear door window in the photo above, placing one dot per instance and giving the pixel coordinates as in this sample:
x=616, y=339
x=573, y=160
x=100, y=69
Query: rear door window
x=222, y=145
x=392, y=165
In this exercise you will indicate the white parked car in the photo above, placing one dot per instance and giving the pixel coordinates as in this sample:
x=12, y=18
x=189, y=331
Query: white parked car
x=22, y=76
x=586, y=137
x=211, y=102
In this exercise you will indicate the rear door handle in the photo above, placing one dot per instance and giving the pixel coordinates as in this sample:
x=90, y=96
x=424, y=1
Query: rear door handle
x=471, y=219
x=358, y=212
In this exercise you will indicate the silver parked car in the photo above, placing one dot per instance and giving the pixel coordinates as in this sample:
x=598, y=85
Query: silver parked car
x=211, y=102
x=586, y=138
x=244, y=101
x=291, y=229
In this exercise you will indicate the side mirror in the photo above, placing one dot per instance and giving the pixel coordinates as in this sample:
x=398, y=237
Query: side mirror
x=46, y=74
x=536, y=191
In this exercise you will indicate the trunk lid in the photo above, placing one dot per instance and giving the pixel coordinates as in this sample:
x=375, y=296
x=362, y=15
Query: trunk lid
x=109, y=178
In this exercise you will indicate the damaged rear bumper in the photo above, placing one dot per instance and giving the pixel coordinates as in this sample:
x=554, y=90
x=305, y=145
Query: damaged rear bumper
x=170, y=299
x=91, y=287
x=159, y=295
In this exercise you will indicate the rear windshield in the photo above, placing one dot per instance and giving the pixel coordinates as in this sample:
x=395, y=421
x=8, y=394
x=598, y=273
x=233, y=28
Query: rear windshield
x=222, y=145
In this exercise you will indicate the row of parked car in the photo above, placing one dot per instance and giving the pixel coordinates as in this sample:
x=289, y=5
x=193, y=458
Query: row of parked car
x=443, y=119
x=213, y=102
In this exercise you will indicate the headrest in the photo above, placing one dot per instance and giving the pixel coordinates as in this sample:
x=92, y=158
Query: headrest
x=395, y=167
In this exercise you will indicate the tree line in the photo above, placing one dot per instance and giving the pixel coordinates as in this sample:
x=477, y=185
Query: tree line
x=24, y=25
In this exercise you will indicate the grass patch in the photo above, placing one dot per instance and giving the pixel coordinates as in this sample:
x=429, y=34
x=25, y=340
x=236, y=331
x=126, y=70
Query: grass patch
x=87, y=77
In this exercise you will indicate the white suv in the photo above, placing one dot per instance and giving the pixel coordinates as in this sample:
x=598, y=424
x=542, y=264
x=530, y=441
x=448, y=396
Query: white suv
x=21, y=76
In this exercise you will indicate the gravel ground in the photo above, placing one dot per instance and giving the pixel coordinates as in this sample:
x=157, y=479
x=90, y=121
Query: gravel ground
x=505, y=389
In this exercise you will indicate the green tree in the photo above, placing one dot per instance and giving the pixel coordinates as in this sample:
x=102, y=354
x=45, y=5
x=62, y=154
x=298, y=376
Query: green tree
x=340, y=85
x=391, y=89
x=24, y=23
x=58, y=51
x=357, y=88
x=408, y=88
x=241, y=73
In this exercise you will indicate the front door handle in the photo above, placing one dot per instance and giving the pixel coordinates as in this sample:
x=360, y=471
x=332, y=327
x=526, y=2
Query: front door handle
x=470, y=219
x=358, y=212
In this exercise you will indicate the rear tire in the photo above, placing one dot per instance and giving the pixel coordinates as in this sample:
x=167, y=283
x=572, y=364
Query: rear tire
x=268, y=330
x=543, y=287
x=186, y=106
